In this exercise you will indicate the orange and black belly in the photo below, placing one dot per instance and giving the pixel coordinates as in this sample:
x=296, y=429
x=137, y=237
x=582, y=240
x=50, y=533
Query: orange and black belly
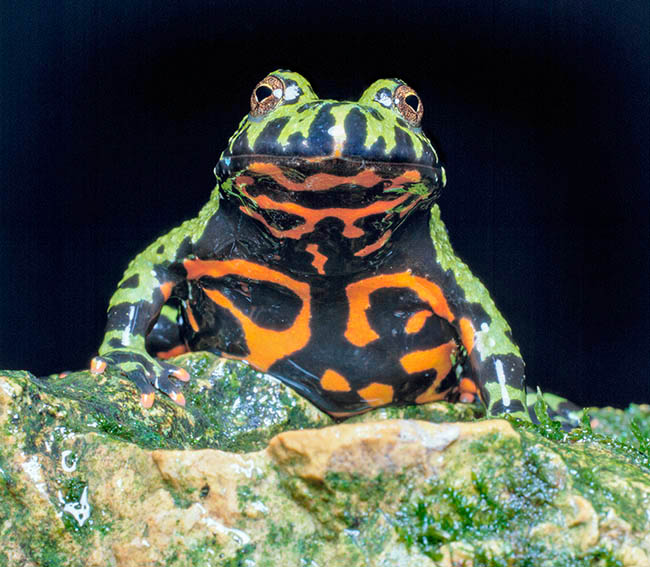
x=346, y=341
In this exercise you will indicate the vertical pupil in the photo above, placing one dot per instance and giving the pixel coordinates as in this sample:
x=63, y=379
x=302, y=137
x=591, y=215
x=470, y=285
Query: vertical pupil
x=262, y=92
x=413, y=101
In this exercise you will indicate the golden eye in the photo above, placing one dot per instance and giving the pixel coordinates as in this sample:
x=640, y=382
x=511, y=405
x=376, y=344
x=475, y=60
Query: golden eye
x=267, y=94
x=408, y=104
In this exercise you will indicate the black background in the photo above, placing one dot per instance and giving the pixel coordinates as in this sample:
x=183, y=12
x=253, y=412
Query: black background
x=114, y=114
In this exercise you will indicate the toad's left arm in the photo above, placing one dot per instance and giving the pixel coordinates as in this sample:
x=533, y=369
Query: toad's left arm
x=496, y=364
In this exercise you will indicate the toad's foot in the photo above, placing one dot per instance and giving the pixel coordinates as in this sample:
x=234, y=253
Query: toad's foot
x=147, y=373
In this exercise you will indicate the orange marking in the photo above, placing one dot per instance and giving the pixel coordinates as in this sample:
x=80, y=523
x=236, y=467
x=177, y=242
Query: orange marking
x=377, y=394
x=319, y=259
x=324, y=181
x=417, y=321
x=468, y=391
x=266, y=346
x=358, y=331
x=431, y=394
x=257, y=216
x=408, y=208
x=468, y=386
x=334, y=382
x=410, y=176
x=438, y=359
x=175, y=351
x=244, y=180
x=182, y=374
x=375, y=246
x=313, y=216
x=146, y=400
x=97, y=365
x=178, y=398
x=191, y=319
x=467, y=334
x=166, y=290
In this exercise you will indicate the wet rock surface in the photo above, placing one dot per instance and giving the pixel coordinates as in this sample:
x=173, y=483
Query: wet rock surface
x=250, y=474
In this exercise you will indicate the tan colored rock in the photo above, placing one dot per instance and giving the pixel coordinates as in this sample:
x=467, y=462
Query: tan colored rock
x=216, y=474
x=615, y=529
x=634, y=556
x=371, y=448
x=584, y=520
x=15, y=555
x=457, y=554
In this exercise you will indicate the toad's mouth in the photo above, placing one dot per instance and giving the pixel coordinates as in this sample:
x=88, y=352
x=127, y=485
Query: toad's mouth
x=360, y=204
x=323, y=172
x=328, y=182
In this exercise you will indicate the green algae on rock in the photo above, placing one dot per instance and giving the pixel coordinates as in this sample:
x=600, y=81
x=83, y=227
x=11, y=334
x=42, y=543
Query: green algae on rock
x=88, y=478
x=630, y=426
x=230, y=406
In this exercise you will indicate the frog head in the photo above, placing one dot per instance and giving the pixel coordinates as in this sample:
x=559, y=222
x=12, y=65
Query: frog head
x=297, y=162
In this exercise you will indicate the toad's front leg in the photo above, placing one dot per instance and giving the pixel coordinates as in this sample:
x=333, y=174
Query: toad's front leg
x=152, y=278
x=497, y=369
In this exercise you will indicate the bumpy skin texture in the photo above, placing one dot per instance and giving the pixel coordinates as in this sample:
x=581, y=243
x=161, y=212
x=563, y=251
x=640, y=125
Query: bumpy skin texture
x=321, y=259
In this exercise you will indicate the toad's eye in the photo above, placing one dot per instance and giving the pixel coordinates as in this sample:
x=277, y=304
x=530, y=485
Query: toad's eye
x=408, y=104
x=267, y=94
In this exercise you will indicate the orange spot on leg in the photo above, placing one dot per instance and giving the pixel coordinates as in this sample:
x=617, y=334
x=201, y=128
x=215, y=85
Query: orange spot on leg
x=334, y=382
x=175, y=351
x=438, y=359
x=166, y=290
x=431, y=394
x=377, y=394
x=191, y=319
x=467, y=333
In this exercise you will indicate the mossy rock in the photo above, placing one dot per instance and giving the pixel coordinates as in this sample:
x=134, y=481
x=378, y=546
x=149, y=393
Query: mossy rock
x=250, y=474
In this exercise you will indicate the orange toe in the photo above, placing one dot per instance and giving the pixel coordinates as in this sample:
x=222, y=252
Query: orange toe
x=178, y=397
x=97, y=365
x=182, y=374
x=147, y=399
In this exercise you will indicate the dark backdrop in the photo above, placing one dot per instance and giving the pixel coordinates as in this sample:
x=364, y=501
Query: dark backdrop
x=114, y=115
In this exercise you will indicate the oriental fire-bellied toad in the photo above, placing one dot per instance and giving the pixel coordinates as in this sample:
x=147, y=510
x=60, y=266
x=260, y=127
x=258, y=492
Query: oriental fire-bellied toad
x=321, y=259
